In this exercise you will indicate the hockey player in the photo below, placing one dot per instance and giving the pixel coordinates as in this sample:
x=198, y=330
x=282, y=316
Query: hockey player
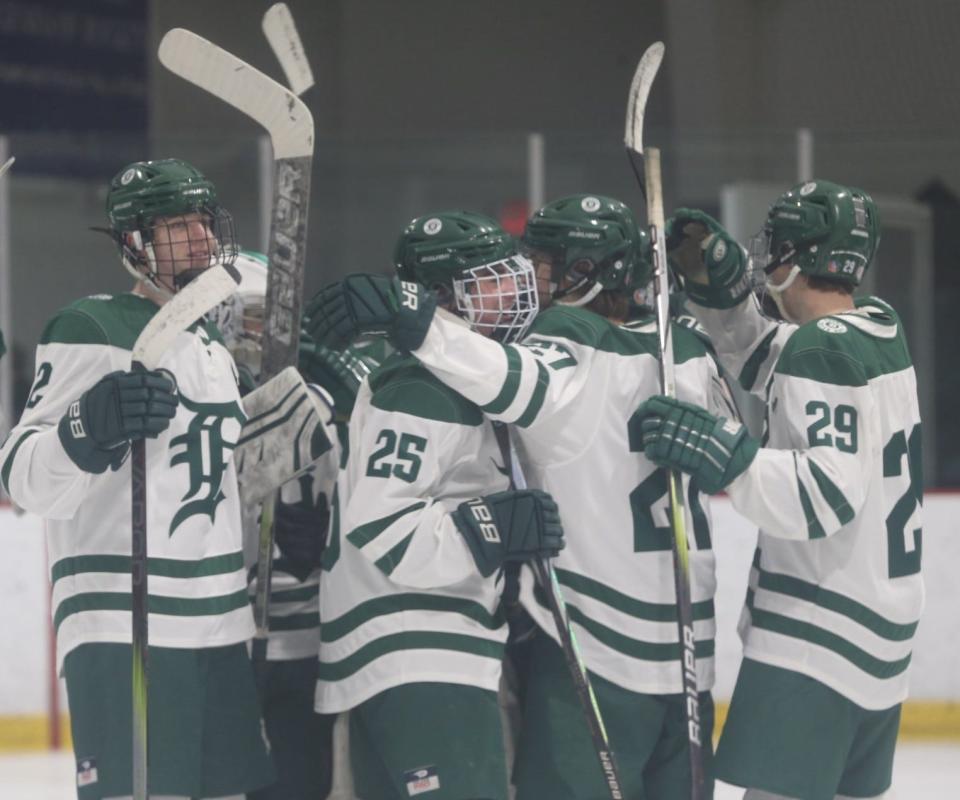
x=571, y=390
x=412, y=634
x=835, y=589
x=66, y=461
x=286, y=663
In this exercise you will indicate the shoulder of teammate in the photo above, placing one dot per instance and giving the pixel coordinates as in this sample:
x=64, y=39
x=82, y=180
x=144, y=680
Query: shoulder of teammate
x=825, y=350
x=402, y=384
x=114, y=320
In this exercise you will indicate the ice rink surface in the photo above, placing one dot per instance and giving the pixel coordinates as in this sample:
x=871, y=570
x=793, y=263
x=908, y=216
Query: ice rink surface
x=921, y=772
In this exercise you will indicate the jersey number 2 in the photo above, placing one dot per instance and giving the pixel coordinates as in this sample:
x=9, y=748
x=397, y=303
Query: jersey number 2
x=407, y=448
x=903, y=560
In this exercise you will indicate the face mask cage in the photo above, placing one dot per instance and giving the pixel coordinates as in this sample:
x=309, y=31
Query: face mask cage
x=172, y=250
x=498, y=299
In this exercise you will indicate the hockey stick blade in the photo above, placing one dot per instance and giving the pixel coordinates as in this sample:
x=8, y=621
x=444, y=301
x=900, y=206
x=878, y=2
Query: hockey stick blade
x=281, y=32
x=639, y=91
x=203, y=293
x=273, y=106
x=6, y=165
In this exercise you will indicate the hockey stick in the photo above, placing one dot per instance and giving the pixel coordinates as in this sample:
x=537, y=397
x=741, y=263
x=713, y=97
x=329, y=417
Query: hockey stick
x=633, y=137
x=6, y=165
x=187, y=306
x=281, y=32
x=290, y=126
x=547, y=578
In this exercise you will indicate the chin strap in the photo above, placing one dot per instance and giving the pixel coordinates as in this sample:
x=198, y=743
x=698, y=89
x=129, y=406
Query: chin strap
x=776, y=290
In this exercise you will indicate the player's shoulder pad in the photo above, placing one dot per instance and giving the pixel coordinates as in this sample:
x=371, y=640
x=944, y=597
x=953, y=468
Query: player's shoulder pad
x=104, y=319
x=826, y=350
x=691, y=340
x=404, y=385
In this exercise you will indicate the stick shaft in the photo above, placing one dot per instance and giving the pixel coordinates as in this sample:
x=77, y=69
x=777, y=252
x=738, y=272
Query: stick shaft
x=140, y=641
x=681, y=557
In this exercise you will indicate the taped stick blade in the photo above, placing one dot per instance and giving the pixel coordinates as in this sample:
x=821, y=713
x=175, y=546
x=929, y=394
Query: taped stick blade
x=273, y=106
x=281, y=32
x=639, y=91
x=198, y=297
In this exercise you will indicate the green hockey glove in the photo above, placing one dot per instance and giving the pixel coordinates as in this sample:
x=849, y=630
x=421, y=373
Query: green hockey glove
x=682, y=436
x=364, y=303
x=714, y=265
x=510, y=526
x=340, y=372
x=300, y=531
x=120, y=407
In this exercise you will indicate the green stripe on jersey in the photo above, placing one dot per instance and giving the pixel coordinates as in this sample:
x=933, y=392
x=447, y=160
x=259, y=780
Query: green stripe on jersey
x=158, y=567
x=537, y=398
x=838, y=603
x=751, y=367
x=391, y=604
x=295, y=622
x=101, y=319
x=156, y=604
x=366, y=533
x=635, y=648
x=409, y=640
x=639, y=609
x=814, y=528
x=8, y=464
x=808, y=632
x=300, y=594
x=402, y=384
x=832, y=494
x=390, y=560
x=511, y=384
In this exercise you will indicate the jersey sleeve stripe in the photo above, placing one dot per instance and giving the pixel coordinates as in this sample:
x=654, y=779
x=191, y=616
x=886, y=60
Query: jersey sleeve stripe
x=335, y=629
x=808, y=632
x=408, y=640
x=295, y=622
x=158, y=567
x=536, y=400
x=511, y=384
x=839, y=603
x=8, y=463
x=366, y=533
x=814, y=528
x=156, y=604
x=832, y=494
x=390, y=560
x=298, y=595
x=751, y=367
x=652, y=612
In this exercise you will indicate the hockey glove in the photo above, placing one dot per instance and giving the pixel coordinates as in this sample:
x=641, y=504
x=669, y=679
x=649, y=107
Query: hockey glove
x=300, y=531
x=714, y=265
x=122, y=406
x=510, y=526
x=339, y=372
x=682, y=436
x=370, y=304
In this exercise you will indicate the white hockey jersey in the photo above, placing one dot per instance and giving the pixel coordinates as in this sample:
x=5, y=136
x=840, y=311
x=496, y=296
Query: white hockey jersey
x=835, y=589
x=197, y=585
x=401, y=600
x=570, y=390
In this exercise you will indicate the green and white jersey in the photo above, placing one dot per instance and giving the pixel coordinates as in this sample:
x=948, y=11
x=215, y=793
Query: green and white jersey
x=197, y=585
x=402, y=601
x=570, y=390
x=295, y=603
x=835, y=589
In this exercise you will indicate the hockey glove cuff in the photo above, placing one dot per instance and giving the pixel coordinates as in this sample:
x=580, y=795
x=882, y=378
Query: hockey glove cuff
x=713, y=263
x=682, y=436
x=122, y=406
x=415, y=310
x=510, y=526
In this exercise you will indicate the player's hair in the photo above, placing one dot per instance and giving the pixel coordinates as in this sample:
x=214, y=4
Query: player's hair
x=822, y=284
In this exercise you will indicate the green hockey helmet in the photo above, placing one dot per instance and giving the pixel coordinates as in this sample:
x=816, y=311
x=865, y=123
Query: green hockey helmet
x=168, y=222
x=475, y=269
x=824, y=229
x=592, y=243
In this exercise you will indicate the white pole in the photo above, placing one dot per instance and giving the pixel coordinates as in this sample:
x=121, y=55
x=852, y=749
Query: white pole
x=6, y=321
x=536, y=172
x=804, y=155
x=265, y=178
